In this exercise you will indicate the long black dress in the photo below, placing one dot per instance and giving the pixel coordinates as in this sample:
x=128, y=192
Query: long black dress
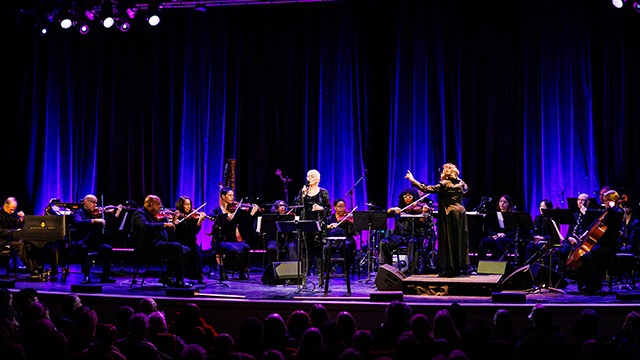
x=186, y=235
x=453, y=230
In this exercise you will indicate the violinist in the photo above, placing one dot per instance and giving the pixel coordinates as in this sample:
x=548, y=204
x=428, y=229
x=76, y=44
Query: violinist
x=340, y=223
x=453, y=233
x=186, y=231
x=152, y=241
x=89, y=224
x=317, y=207
x=589, y=273
x=227, y=240
x=10, y=223
x=407, y=232
x=286, y=241
x=630, y=233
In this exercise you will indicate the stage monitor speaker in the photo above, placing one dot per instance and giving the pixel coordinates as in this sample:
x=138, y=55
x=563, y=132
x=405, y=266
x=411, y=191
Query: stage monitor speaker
x=530, y=276
x=389, y=278
x=278, y=272
x=491, y=267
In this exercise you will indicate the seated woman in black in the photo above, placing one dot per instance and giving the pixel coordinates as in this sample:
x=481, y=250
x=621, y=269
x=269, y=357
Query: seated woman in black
x=499, y=236
x=540, y=233
x=186, y=234
x=340, y=225
x=283, y=241
x=630, y=232
x=227, y=241
x=408, y=231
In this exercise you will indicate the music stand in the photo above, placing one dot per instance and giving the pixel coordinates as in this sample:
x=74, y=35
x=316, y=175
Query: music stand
x=299, y=226
x=369, y=220
x=519, y=220
x=268, y=224
x=216, y=234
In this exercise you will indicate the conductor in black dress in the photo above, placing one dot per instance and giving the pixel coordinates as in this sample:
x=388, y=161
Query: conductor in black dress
x=453, y=232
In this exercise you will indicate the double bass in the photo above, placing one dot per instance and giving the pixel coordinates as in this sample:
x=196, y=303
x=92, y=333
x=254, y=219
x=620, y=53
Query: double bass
x=590, y=238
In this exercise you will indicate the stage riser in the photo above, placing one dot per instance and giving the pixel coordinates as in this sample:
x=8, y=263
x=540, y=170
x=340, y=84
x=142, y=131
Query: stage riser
x=474, y=285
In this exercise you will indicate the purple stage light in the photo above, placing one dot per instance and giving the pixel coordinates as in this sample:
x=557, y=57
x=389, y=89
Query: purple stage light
x=636, y=6
x=84, y=29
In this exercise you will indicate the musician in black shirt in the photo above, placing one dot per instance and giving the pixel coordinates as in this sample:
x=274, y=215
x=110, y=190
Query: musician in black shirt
x=87, y=237
x=10, y=223
x=283, y=240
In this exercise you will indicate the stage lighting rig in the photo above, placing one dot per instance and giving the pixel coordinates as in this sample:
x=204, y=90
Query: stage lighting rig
x=153, y=14
x=65, y=19
x=83, y=19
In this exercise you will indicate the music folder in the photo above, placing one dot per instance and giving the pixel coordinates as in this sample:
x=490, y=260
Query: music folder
x=44, y=227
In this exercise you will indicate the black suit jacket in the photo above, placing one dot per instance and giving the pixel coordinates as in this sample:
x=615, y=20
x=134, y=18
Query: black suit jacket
x=148, y=232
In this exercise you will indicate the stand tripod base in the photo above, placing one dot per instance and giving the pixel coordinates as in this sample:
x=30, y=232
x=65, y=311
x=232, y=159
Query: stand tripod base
x=540, y=290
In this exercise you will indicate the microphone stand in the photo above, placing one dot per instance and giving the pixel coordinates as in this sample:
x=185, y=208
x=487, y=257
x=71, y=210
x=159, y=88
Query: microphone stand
x=285, y=181
x=350, y=193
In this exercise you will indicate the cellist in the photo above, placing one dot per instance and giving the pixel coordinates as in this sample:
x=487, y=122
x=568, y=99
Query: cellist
x=589, y=273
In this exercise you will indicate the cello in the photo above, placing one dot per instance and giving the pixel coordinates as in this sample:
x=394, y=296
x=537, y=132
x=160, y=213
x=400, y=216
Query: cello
x=590, y=238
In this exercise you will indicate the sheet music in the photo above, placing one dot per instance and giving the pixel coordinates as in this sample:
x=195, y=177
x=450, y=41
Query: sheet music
x=500, y=219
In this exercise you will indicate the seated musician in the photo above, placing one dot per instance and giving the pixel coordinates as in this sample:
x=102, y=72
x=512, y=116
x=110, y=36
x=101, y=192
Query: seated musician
x=574, y=232
x=283, y=241
x=539, y=233
x=588, y=274
x=186, y=232
x=499, y=236
x=630, y=232
x=339, y=225
x=317, y=207
x=227, y=241
x=407, y=232
x=87, y=237
x=10, y=223
x=150, y=234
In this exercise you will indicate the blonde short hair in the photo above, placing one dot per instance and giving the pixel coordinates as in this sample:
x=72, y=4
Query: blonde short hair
x=612, y=195
x=315, y=172
x=449, y=171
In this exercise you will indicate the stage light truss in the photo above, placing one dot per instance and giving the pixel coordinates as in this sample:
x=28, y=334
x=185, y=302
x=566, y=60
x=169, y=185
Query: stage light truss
x=82, y=14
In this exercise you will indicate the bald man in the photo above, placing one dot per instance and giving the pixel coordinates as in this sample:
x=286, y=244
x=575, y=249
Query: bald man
x=152, y=240
x=10, y=223
x=87, y=237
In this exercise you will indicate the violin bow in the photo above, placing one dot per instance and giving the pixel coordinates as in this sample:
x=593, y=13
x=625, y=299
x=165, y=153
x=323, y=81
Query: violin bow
x=189, y=214
x=346, y=216
x=413, y=203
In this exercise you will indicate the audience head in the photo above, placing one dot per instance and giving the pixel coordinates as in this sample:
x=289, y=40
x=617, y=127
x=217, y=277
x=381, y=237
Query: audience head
x=502, y=317
x=398, y=312
x=534, y=347
x=591, y=320
x=541, y=317
x=193, y=352
x=350, y=354
x=310, y=343
x=32, y=313
x=274, y=327
x=147, y=306
x=25, y=297
x=632, y=322
x=250, y=329
x=190, y=311
x=157, y=323
x=406, y=347
x=106, y=335
x=443, y=328
x=223, y=344
x=272, y=355
x=346, y=325
x=458, y=316
x=85, y=324
x=318, y=315
x=71, y=305
x=297, y=324
x=363, y=342
x=139, y=325
x=123, y=316
x=5, y=298
x=420, y=325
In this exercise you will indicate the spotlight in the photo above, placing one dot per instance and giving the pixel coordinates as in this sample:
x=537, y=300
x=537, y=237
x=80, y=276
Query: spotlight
x=618, y=3
x=123, y=17
x=106, y=14
x=636, y=6
x=82, y=21
x=42, y=23
x=65, y=19
x=153, y=15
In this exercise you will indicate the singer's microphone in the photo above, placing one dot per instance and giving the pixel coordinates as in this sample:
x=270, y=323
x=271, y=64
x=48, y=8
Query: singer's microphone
x=307, y=183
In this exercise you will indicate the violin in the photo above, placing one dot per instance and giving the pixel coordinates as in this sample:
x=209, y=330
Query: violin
x=234, y=206
x=417, y=208
x=165, y=215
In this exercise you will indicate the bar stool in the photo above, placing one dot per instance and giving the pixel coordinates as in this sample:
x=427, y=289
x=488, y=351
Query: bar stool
x=621, y=266
x=336, y=242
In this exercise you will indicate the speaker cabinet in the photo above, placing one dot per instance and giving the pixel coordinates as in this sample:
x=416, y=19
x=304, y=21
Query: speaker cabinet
x=529, y=276
x=389, y=278
x=279, y=272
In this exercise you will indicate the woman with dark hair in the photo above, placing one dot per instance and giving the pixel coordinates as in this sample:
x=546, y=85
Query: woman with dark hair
x=407, y=232
x=227, y=241
x=339, y=225
x=539, y=233
x=499, y=235
x=186, y=231
x=453, y=231
x=283, y=241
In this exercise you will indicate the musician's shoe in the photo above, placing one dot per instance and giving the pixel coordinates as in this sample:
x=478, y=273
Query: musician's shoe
x=182, y=284
x=448, y=272
x=86, y=280
x=167, y=281
x=35, y=274
x=107, y=280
